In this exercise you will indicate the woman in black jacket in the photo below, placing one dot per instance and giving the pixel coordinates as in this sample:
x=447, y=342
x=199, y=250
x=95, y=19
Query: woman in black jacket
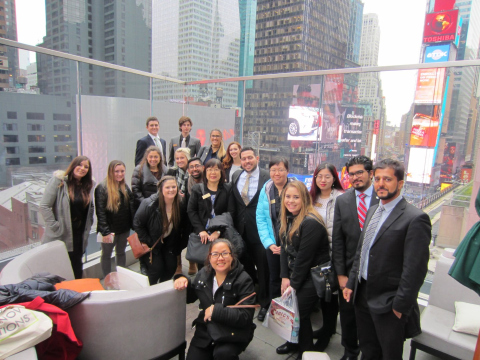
x=159, y=220
x=146, y=175
x=222, y=282
x=208, y=199
x=114, y=208
x=304, y=240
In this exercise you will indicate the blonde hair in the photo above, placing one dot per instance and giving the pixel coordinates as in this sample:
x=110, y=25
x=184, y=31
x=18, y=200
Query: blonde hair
x=185, y=151
x=113, y=187
x=307, y=209
x=221, y=151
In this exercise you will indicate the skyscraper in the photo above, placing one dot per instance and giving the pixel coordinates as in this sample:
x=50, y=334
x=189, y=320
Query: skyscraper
x=111, y=31
x=8, y=55
x=195, y=40
x=355, y=23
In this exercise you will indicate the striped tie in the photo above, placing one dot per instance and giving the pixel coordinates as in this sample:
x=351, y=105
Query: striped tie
x=362, y=210
x=369, y=236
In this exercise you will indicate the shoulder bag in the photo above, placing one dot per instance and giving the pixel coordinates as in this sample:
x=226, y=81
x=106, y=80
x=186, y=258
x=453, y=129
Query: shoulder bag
x=325, y=280
x=138, y=248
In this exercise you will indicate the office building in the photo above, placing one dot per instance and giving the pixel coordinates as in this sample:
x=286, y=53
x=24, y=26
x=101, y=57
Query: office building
x=8, y=55
x=355, y=24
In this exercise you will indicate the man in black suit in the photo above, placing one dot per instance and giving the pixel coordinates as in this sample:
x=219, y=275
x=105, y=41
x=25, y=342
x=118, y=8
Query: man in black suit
x=350, y=211
x=247, y=184
x=153, y=126
x=183, y=141
x=389, y=268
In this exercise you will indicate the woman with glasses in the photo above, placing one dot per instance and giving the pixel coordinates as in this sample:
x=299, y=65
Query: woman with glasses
x=326, y=187
x=221, y=283
x=216, y=150
x=231, y=162
x=208, y=200
x=304, y=241
x=159, y=220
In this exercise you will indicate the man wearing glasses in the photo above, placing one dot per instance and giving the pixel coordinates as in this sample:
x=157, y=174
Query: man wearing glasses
x=350, y=212
x=195, y=172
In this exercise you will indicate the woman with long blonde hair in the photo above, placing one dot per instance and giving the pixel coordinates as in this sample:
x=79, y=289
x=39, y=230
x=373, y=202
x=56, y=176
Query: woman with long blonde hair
x=114, y=209
x=304, y=241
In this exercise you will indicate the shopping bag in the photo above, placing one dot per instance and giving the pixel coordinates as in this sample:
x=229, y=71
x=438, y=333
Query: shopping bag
x=21, y=328
x=283, y=317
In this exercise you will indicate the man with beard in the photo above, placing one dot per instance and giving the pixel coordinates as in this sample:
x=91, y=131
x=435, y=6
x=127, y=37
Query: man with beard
x=195, y=170
x=389, y=268
x=349, y=217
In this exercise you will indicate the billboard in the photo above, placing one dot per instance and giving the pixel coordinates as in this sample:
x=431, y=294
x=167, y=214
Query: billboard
x=442, y=5
x=430, y=86
x=304, y=118
x=449, y=156
x=424, y=130
x=420, y=165
x=350, y=130
x=466, y=175
x=437, y=53
x=440, y=27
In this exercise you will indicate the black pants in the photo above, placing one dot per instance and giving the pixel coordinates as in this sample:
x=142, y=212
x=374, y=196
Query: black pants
x=163, y=266
x=219, y=351
x=77, y=254
x=381, y=336
x=348, y=324
x=275, y=282
x=329, y=314
x=307, y=299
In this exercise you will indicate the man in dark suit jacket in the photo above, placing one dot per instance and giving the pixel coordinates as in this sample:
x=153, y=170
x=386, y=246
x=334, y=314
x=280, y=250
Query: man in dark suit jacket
x=185, y=126
x=152, y=139
x=389, y=268
x=246, y=186
x=345, y=234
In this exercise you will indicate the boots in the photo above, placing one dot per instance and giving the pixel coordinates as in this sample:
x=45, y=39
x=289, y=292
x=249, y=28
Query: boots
x=179, y=265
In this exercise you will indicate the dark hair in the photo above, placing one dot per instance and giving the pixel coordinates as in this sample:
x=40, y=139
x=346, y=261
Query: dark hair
x=176, y=217
x=248, y=148
x=360, y=160
x=183, y=120
x=314, y=190
x=210, y=164
x=150, y=149
x=152, y=118
x=228, y=160
x=85, y=185
x=304, y=88
x=208, y=266
x=397, y=166
x=196, y=158
x=277, y=160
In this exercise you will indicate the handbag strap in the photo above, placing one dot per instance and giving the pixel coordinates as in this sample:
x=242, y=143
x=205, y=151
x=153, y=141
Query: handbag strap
x=151, y=249
x=238, y=306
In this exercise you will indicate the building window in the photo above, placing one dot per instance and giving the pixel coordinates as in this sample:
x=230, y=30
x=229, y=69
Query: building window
x=34, y=219
x=35, y=116
x=66, y=117
x=36, y=138
x=63, y=148
x=35, y=127
x=37, y=160
x=12, y=161
x=63, y=159
x=10, y=138
x=62, y=127
x=12, y=150
x=37, y=149
x=11, y=114
x=62, y=138
x=10, y=127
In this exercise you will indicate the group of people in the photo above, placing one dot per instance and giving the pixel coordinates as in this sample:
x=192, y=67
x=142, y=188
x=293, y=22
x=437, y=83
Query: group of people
x=376, y=241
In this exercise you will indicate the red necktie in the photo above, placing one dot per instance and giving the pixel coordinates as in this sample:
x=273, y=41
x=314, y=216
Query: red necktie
x=362, y=210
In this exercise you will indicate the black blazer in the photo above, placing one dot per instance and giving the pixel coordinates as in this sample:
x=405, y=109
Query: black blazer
x=398, y=260
x=142, y=146
x=245, y=214
x=192, y=143
x=199, y=209
x=346, y=231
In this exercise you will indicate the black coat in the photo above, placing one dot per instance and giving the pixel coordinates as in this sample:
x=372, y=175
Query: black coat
x=200, y=209
x=109, y=222
x=236, y=286
x=149, y=226
x=309, y=247
x=144, y=185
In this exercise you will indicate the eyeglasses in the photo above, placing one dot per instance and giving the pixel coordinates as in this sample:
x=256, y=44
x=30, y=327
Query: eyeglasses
x=224, y=255
x=213, y=170
x=279, y=171
x=356, y=174
x=195, y=166
x=326, y=177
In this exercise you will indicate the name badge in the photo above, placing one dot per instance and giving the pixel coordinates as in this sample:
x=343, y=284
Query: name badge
x=272, y=201
x=175, y=145
x=206, y=196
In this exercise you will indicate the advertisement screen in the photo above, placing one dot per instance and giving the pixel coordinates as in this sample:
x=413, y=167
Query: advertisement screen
x=442, y=5
x=437, y=53
x=466, y=175
x=449, y=157
x=440, y=27
x=420, y=165
x=304, y=118
x=350, y=131
x=424, y=130
x=430, y=86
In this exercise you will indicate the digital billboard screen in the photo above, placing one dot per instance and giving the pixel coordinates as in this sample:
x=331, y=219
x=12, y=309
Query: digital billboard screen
x=430, y=86
x=437, y=53
x=304, y=117
x=420, y=165
x=350, y=130
x=449, y=157
x=440, y=27
x=424, y=130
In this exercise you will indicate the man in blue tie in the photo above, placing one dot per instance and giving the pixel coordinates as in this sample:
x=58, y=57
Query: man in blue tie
x=389, y=268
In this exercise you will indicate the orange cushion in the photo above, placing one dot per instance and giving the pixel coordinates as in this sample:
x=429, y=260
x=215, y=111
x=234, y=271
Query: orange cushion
x=80, y=285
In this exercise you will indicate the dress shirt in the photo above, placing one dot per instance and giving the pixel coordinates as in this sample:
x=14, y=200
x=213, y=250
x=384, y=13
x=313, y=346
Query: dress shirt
x=252, y=185
x=368, y=197
x=388, y=209
x=159, y=142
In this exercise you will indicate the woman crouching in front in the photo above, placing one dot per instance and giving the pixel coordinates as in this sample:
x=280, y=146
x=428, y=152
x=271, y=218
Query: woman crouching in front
x=222, y=282
x=304, y=242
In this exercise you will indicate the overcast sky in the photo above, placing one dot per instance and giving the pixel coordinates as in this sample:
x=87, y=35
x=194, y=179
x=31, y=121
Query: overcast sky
x=401, y=26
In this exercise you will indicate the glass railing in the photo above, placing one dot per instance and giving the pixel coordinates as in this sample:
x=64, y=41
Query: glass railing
x=81, y=106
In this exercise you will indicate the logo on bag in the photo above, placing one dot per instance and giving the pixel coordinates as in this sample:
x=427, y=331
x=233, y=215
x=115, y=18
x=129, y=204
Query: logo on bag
x=14, y=320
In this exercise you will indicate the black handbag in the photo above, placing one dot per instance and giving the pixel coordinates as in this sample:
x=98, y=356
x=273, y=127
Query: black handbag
x=325, y=280
x=196, y=251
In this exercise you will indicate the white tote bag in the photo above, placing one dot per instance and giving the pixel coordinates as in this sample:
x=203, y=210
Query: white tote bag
x=21, y=328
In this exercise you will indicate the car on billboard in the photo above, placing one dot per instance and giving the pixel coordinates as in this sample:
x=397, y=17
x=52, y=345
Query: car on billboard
x=302, y=120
